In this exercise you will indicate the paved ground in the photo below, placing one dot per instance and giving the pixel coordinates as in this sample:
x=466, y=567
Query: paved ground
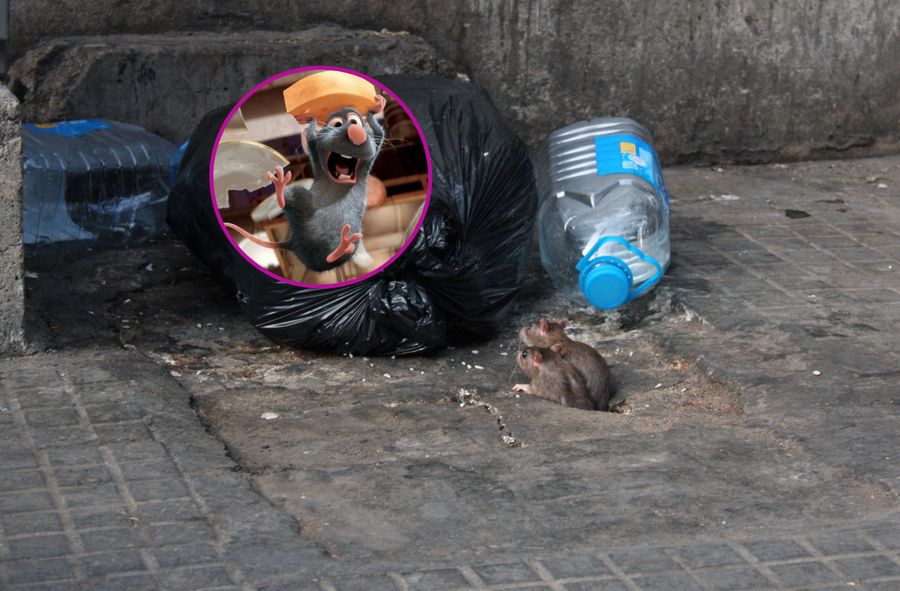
x=730, y=465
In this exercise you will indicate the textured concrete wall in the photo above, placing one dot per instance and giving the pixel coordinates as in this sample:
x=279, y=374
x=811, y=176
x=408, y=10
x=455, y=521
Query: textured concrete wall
x=745, y=79
x=12, y=289
x=168, y=82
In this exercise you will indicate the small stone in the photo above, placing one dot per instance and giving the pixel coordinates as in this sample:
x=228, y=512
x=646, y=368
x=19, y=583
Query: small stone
x=657, y=386
x=175, y=374
x=871, y=179
x=478, y=367
x=387, y=375
x=881, y=185
x=816, y=372
x=268, y=416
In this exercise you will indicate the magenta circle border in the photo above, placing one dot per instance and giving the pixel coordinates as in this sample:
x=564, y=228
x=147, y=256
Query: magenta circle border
x=212, y=191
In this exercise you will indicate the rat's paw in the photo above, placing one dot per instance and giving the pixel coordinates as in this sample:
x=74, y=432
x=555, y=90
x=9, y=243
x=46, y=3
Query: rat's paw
x=346, y=246
x=522, y=388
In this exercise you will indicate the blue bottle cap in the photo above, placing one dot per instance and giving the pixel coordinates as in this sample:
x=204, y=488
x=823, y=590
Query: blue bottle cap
x=606, y=285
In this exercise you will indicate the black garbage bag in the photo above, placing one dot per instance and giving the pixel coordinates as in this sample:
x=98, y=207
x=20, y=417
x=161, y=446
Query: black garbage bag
x=453, y=284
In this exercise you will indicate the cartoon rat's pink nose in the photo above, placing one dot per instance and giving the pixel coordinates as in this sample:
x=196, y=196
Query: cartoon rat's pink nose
x=357, y=134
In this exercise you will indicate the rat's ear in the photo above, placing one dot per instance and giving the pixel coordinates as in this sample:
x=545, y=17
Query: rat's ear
x=556, y=347
x=545, y=326
x=537, y=358
x=378, y=107
x=303, y=119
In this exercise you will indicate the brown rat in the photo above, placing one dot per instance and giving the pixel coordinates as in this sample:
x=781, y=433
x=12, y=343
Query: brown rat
x=587, y=360
x=553, y=378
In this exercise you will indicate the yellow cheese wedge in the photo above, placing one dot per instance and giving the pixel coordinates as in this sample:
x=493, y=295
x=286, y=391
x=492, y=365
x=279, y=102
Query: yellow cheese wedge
x=323, y=93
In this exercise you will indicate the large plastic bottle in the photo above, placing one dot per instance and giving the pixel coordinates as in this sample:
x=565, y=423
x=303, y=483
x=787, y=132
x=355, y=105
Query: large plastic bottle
x=94, y=180
x=604, y=213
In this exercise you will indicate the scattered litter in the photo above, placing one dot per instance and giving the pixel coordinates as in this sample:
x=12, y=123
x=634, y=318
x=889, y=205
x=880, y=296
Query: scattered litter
x=504, y=353
x=148, y=267
x=871, y=179
x=817, y=373
x=474, y=351
x=478, y=367
x=881, y=185
x=725, y=197
x=31, y=275
x=387, y=375
x=393, y=356
x=468, y=366
x=795, y=214
x=175, y=374
x=199, y=325
x=657, y=386
x=631, y=353
x=221, y=328
x=510, y=441
x=269, y=416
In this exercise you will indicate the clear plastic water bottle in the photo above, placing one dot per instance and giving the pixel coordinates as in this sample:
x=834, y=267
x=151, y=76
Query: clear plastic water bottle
x=604, y=213
x=94, y=180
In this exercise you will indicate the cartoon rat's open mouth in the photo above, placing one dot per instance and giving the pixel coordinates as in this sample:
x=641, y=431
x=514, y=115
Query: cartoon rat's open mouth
x=342, y=168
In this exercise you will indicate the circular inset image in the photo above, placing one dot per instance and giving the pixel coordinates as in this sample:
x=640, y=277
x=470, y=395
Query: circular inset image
x=320, y=176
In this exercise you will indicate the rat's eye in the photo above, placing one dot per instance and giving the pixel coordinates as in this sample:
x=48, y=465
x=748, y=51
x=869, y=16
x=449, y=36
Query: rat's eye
x=354, y=119
x=335, y=122
x=524, y=354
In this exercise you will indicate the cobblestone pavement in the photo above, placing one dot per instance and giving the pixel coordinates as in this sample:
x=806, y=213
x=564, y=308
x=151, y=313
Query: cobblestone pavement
x=108, y=480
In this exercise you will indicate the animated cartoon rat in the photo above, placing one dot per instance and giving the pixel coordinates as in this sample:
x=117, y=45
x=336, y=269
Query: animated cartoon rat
x=326, y=220
x=589, y=363
x=553, y=378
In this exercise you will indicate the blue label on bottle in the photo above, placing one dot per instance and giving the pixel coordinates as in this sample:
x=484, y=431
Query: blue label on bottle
x=68, y=128
x=627, y=154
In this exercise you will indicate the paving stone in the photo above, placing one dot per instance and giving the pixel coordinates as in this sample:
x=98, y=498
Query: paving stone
x=194, y=578
x=891, y=585
x=14, y=502
x=56, y=586
x=75, y=455
x=702, y=555
x=162, y=511
x=137, y=451
x=597, y=585
x=119, y=432
x=889, y=536
x=158, y=490
x=152, y=470
x=839, y=543
x=30, y=523
x=13, y=460
x=112, y=412
x=115, y=516
x=508, y=572
x=20, y=479
x=378, y=583
x=55, y=437
x=674, y=582
x=92, y=496
x=57, y=417
x=82, y=475
x=436, y=580
x=734, y=579
x=181, y=533
x=38, y=546
x=143, y=582
x=643, y=560
x=110, y=539
x=35, y=571
x=775, y=549
x=186, y=554
x=868, y=567
x=112, y=562
x=575, y=565
x=803, y=573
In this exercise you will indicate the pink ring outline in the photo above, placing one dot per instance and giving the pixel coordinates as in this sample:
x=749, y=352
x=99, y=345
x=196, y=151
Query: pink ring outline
x=212, y=191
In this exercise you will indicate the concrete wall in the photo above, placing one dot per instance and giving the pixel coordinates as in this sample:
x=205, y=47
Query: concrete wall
x=732, y=79
x=12, y=288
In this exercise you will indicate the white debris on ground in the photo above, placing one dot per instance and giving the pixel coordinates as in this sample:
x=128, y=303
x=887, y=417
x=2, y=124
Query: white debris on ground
x=269, y=416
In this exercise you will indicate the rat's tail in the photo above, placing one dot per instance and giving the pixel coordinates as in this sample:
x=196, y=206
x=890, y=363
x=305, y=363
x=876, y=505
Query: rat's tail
x=253, y=238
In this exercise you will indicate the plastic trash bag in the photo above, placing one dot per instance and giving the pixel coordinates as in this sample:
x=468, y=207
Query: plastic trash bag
x=456, y=280
x=94, y=180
